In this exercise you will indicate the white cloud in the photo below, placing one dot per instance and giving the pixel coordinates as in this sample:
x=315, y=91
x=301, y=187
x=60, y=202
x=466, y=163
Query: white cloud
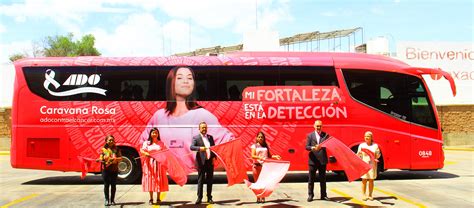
x=67, y=13
x=139, y=35
x=237, y=14
x=339, y=13
x=2, y=28
x=377, y=11
x=6, y=50
x=329, y=14
x=142, y=35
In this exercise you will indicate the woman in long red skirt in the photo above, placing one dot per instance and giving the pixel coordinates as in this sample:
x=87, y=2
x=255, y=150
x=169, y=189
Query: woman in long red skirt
x=154, y=177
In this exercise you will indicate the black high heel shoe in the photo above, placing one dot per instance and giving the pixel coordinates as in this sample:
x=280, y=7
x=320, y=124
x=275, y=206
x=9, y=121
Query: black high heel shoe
x=150, y=202
x=258, y=200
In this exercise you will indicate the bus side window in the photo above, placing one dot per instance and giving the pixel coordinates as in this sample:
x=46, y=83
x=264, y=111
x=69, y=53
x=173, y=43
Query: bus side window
x=206, y=83
x=234, y=93
x=307, y=76
x=234, y=79
x=384, y=91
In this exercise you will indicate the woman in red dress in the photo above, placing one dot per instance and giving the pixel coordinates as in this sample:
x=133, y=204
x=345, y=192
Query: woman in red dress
x=154, y=177
x=260, y=152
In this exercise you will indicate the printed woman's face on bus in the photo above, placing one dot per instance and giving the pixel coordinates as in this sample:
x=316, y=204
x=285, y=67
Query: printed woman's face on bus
x=184, y=83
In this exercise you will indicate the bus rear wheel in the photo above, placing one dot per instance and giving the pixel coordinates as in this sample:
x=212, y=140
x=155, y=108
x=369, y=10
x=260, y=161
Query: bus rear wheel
x=129, y=169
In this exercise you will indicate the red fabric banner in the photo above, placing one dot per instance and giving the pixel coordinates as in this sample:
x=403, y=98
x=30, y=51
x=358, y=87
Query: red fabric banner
x=231, y=156
x=272, y=173
x=176, y=168
x=85, y=165
x=370, y=154
x=353, y=166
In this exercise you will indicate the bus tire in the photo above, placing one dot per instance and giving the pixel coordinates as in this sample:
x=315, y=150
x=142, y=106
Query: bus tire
x=130, y=170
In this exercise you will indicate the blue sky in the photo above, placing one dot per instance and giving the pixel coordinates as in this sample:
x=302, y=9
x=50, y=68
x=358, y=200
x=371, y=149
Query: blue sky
x=163, y=27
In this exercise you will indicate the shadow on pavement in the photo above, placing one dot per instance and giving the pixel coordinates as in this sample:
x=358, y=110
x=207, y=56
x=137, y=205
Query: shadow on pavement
x=128, y=204
x=389, y=175
x=188, y=204
x=381, y=200
x=221, y=178
x=268, y=203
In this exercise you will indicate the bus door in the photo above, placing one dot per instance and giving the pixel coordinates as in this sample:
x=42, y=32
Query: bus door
x=426, y=146
x=382, y=106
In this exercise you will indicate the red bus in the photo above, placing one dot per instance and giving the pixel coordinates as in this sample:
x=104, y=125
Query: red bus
x=64, y=107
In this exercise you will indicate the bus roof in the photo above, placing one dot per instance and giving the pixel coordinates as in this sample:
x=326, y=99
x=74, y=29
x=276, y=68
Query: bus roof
x=338, y=60
x=239, y=58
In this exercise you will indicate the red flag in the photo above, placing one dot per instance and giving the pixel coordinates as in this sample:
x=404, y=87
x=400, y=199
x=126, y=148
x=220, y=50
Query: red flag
x=85, y=164
x=370, y=154
x=272, y=173
x=353, y=166
x=231, y=156
x=176, y=168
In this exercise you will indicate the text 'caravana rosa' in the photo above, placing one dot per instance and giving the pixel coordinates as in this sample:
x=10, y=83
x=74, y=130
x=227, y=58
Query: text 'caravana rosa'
x=77, y=111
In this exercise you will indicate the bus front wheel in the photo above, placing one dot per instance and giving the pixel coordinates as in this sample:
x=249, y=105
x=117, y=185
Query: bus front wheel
x=129, y=168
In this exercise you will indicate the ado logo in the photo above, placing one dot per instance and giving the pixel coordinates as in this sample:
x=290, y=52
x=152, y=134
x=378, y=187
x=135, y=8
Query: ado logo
x=73, y=80
x=82, y=79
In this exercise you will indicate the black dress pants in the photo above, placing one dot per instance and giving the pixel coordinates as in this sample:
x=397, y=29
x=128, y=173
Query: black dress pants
x=205, y=174
x=312, y=177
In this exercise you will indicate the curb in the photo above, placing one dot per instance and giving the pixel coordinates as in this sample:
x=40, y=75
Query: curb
x=459, y=148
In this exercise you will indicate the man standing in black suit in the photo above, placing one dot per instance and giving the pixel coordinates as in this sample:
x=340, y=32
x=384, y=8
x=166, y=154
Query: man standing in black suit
x=317, y=160
x=204, y=161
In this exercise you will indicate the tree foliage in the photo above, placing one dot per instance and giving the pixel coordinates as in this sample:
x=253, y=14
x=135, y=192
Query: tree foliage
x=66, y=46
x=17, y=56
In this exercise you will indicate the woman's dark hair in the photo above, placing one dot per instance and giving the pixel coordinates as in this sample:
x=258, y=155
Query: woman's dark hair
x=264, y=144
x=171, y=92
x=106, y=145
x=150, y=140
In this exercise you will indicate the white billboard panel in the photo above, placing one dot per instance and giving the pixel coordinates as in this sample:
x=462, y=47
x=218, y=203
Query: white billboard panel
x=7, y=78
x=456, y=58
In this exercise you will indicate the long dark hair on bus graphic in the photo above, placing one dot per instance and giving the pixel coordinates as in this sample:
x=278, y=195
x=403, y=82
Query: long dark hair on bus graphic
x=180, y=86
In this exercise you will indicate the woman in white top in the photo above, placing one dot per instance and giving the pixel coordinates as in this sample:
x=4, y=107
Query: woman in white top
x=369, y=152
x=154, y=177
x=260, y=152
x=181, y=114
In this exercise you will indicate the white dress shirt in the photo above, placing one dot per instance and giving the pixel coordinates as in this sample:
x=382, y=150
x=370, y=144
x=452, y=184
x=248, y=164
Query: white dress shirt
x=207, y=144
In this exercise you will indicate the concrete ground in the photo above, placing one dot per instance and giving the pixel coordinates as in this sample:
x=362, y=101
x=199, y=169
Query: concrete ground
x=450, y=187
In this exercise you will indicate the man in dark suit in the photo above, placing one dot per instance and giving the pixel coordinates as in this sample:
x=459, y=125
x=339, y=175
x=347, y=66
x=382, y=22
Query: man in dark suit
x=204, y=161
x=317, y=160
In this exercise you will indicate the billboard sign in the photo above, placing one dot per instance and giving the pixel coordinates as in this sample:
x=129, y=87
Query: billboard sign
x=456, y=58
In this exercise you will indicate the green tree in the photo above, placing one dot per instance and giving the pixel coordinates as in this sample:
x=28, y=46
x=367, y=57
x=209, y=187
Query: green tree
x=66, y=46
x=17, y=56
x=85, y=47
